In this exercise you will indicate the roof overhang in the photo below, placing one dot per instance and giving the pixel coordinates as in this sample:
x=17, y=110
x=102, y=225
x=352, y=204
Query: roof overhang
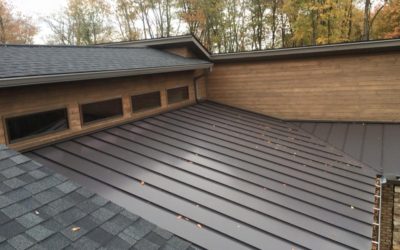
x=44, y=79
x=190, y=41
x=168, y=42
x=310, y=51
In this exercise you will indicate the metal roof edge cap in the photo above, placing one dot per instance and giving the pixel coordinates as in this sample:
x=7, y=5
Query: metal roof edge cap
x=340, y=47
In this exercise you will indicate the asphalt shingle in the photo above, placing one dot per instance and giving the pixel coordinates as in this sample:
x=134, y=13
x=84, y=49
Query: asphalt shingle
x=18, y=194
x=34, y=60
x=41, y=209
x=37, y=174
x=43, y=184
x=29, y=220
x=5, y=201
x=18, y=159
x=139, y=229
x=6, y=246
x=6, y=163
x=12, y=172
x=74, y=232
x=145, y=244
x=15, y=210
x=85, y=243
x=10, y=229
x=67, y=187
x=100, y=236
x=118, y=244
x=48, y=195
x=70, y=216
x=163, y=233
x=20, y=242
x=102, y=214
x=117, y=224
x=56, y=241
x=14, y=183
x=39, y=232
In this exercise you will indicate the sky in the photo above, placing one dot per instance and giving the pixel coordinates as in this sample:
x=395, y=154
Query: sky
x=38, y=9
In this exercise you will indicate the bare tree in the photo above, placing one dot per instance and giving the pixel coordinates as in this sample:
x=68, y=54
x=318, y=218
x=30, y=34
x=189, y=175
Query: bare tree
x=127, y=14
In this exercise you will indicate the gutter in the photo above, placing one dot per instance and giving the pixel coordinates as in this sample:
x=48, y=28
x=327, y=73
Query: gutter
x=43, y=79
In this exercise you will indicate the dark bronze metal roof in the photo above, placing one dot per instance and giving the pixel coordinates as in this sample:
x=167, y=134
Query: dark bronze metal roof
x=224, y=178
x=375, y=144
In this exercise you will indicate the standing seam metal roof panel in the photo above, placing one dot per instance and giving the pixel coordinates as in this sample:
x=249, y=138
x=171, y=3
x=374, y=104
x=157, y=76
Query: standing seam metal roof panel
x=246, y=179
x=374, y=144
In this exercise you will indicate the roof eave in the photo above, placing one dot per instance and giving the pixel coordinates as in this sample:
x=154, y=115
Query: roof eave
x=44, y=79
x=343, y=48
x=163, y=42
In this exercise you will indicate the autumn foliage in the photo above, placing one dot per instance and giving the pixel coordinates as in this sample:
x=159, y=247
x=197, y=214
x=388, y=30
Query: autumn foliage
x=15, y=28
x=222, y=26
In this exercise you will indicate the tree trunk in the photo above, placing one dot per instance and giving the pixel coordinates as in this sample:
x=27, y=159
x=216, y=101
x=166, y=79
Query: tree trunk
x=367, y=10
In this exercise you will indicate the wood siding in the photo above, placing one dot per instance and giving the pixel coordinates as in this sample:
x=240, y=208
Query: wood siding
x=200, y=77
x=346, y=88
x=22, y=100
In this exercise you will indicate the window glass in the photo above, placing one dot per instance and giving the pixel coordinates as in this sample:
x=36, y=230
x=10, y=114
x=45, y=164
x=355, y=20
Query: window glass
x=178, y=94
x=36, y=124
x=146, y=101
x=101, y=110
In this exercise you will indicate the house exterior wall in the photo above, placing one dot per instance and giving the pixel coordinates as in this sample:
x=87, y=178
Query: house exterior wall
x=31, y=99
x=386, y=228
x=396, y=218
x=356, y=87
x=200, y=77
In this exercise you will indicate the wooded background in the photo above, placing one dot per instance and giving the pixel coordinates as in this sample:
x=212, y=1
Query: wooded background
x=222, y=26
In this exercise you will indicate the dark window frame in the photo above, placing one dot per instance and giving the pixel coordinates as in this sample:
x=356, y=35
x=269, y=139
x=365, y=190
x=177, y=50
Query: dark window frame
x=85, y=124
x=145, y=109
x=179, y=87
x=33, y=112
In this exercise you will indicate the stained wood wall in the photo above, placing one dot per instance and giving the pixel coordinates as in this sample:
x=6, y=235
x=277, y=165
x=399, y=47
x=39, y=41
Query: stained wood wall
x=347, y=88
x=21, y=100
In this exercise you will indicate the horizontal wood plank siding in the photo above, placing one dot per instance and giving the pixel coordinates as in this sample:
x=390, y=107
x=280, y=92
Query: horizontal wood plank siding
x=347, y=88
x=22, y=100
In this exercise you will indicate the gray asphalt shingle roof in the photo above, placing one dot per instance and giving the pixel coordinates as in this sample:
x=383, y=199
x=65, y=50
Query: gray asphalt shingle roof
x=227, y=179
x=25, y=60
x=42, y=209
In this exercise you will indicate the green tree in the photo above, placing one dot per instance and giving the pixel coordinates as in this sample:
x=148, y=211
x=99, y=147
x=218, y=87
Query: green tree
x=83, y=22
